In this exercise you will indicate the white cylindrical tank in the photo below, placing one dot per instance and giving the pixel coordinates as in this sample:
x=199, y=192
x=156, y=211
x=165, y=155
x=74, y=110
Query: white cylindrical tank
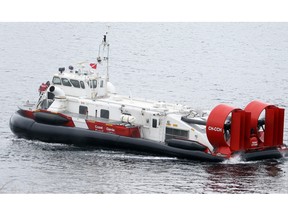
x=128, y=118
x=58, y=92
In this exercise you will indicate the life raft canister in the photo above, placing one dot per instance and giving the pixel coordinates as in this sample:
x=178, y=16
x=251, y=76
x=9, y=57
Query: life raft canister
x=43, y=87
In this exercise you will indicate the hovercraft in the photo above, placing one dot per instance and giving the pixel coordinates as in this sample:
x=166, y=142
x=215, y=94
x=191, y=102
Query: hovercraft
x=81, y=107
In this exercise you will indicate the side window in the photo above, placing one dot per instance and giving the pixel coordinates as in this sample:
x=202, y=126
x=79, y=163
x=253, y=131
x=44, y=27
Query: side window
x=95, y=113
x=104, y=113
x=176, y=133
x=56, y=80
x=75, y=83
x=83, y=110
x=82, y=84
x=65, y=82
x=101, y=84
x=94, y=83
x=154, y=123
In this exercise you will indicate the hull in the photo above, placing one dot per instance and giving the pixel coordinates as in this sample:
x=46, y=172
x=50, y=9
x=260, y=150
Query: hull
x=30, y=129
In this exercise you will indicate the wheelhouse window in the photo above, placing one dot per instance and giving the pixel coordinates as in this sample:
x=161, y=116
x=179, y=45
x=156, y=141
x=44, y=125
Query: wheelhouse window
x=82, y=84
x=104, y=113
x=65, y=82
x=176, y=133
x=56, y=80
x=75, y=83
x=83, y=110
x=92, y=83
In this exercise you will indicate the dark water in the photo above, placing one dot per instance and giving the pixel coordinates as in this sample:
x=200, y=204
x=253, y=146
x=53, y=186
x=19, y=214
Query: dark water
x=199, y=64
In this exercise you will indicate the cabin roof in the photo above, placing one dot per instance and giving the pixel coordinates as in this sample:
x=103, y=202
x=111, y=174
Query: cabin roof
x=156, y=106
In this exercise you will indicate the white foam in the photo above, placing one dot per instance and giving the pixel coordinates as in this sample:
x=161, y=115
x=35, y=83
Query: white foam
x=237, y=159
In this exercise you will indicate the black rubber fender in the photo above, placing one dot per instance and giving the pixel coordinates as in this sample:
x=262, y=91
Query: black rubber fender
x=28, y=128
x=186, y=144
x=49, y=118
x=262, y=155
x=20, y=125
x=165, y=150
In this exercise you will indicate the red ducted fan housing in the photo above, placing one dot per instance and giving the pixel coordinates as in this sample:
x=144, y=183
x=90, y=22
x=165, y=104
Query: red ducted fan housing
x=231, y=129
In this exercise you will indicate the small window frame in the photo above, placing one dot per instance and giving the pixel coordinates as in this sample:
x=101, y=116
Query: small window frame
x=104, y=113
x=94, y=83
x=83, y=110
x=82, y=84
x=56, y=83
x=154, y=123
x=75, y=83
x=66, y=82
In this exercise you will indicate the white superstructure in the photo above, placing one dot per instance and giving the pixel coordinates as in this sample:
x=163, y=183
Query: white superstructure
x=84, y=92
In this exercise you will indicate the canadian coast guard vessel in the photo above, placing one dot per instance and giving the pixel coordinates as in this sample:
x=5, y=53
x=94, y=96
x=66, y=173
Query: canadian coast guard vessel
x=81, y=107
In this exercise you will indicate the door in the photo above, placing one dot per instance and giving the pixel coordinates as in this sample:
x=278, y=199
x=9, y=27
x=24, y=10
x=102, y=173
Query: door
x=152, y=126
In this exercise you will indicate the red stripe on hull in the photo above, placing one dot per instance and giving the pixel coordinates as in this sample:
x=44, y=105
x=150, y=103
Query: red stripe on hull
x=119, y=129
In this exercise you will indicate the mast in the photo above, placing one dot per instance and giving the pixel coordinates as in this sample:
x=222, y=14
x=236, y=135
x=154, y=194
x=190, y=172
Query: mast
x=103, y=54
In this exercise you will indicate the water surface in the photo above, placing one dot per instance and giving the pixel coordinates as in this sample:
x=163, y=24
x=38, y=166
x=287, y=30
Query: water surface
x=198, y=64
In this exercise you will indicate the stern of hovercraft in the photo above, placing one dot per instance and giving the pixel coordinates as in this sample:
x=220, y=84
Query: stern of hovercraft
x=257, y=128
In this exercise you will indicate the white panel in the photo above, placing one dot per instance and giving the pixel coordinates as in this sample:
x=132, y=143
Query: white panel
x=80, y=123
